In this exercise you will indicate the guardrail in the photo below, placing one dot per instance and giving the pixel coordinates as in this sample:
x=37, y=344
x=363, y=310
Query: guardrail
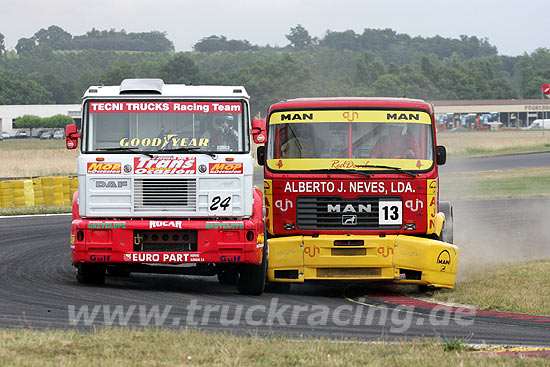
x=40, y=191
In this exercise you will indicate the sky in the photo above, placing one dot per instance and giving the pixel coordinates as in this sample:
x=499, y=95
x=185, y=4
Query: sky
x=514, y=27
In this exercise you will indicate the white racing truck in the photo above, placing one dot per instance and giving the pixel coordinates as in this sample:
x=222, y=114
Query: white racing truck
x=165, y=184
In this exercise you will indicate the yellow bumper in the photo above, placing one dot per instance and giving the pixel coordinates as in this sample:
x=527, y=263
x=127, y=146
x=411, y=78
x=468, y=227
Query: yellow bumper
x=399, y=258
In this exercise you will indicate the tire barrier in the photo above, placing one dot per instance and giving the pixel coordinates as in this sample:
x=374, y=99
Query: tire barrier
x=40, y=191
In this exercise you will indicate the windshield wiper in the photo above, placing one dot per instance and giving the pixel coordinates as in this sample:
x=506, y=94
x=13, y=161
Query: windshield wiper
x=398, y=169
x=337, y=170
x=188, y=150
x=125, y=149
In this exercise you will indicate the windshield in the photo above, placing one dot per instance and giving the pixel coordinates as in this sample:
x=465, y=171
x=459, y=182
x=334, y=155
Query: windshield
x=309, y=140
x=156, y=126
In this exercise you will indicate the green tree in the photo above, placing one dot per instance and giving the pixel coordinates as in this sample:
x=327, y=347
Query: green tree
x=25, y=45
x=299, y=37
x=221, y=43
x=54, y=37
x=28, y=122
x=57, y=121
x=181, y=69
x=115, y=74
x=2, y=46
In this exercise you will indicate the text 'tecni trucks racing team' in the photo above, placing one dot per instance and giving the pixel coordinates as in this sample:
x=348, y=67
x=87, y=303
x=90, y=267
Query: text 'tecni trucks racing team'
x=351, y=193
x=165, y=184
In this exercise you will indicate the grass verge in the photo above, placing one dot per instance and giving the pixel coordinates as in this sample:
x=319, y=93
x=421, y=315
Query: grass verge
x=519, y=183
x=35, y=210
x=144, y=347
x=521, y=288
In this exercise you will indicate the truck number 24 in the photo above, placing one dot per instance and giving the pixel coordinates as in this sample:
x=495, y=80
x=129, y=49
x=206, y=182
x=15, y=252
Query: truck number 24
x=217, y=203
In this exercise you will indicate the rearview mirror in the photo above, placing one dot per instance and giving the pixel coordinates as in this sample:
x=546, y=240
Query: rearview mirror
x=441, y=153
x=260, y=155
x=258, y=131
x=71, y=136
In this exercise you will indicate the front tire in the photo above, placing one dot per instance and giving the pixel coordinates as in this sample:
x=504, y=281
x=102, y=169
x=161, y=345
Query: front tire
x=447, y=231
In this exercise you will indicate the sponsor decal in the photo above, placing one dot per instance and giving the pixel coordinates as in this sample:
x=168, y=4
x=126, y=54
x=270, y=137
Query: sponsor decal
x=165, y=165
x=202, y=168
x=230, y=259
x=164, y=107
x=106, y=225
x=113, y=184
x=385, y=251
x=287, y=205
x=104, y=168
x=312, y=251
x=222, y=168
x=231, y=225
x=102, y=258
x=349, y=208
x=414, y=206
x=168, y=257
x=164, y=223
x=127, y=168
x=161, y=143
x=444, y=258
x=73, y=239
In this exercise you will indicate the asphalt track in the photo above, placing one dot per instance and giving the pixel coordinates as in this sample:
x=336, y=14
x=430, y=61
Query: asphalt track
x=38, y=289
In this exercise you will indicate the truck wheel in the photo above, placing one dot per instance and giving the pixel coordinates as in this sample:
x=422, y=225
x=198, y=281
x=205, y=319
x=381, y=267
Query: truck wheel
x=228, y=277
x=252, y=277
x=90, y=273
x=118, y=271
x=447, y=231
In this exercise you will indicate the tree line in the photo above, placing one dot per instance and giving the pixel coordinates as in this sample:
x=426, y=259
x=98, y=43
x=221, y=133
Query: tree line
x=371, y=63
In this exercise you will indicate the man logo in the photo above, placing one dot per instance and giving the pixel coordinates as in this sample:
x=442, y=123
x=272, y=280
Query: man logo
x=349, y=220
x=444, y=258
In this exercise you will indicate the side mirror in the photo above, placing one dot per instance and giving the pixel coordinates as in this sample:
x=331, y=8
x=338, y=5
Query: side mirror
x=71, y=136
x=260, y=155
x=441, y=153
x=258, y=131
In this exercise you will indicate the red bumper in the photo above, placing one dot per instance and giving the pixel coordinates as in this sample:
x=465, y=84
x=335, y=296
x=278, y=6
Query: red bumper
x=166, y=241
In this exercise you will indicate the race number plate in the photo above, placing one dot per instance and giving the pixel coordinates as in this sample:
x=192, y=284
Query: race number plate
x=390, y=213
x=219, y=203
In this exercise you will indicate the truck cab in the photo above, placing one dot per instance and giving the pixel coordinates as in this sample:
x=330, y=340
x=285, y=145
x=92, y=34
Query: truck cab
x=165, y=184
x=351, y=193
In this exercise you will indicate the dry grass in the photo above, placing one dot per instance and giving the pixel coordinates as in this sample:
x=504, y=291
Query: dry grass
x=482, y=143
x=33, y=157
x=124, y=347
x=520, y=288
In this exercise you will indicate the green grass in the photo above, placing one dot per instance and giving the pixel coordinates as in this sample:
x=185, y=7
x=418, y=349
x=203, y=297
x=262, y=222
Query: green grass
x=483, y=152
x=31, y=143
x=139, y=347
x=520, y=288
x=35, y=210
x=519, y=183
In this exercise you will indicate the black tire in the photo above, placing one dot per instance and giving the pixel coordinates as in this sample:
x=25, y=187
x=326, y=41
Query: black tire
x=228, y=277
x=90, y=273
x=252, y=277
x=447, y=231
x=118, y=271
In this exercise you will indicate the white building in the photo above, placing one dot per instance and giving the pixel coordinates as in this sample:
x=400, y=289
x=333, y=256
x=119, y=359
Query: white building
x=8, y=113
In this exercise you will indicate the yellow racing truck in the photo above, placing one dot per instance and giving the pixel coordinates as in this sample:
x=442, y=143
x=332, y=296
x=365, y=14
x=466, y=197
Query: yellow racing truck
x=351, y=193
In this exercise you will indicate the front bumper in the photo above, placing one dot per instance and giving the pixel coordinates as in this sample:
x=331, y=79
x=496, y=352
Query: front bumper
x=166, y=241
x=399, y=258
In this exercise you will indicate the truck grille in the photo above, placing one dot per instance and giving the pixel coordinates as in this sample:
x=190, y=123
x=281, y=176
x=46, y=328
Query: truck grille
x=167, y=194
x=312, y=212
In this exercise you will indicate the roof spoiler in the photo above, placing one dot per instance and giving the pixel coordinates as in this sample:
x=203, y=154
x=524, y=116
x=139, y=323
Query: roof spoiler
x=141, y=86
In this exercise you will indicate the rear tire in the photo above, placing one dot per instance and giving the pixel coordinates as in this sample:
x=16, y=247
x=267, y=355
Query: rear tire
x=118, y=271
x=228, y=277
x=90, y=273
x=252, y=277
